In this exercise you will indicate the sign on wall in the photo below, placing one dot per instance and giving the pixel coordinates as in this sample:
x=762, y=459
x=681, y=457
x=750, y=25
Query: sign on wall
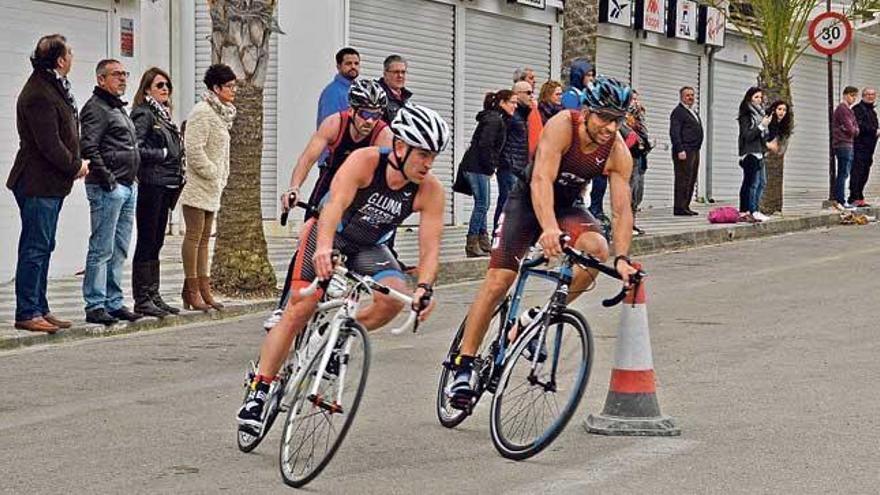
x=616, y=12
x=126, y=37
x=712, y=26
x=651, y=15
x=682, y=20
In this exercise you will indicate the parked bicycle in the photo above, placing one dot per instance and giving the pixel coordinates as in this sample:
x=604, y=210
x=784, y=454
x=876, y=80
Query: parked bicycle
x=538, y=377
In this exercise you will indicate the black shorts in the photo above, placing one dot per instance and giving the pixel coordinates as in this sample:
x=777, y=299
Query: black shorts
x=376, y=261
x=519, y=229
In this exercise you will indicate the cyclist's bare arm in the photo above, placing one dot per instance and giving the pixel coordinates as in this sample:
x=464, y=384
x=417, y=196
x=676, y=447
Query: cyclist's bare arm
x=319, y=141
x=355, y=173
x=619, y=169
x=385, y=139
x=555, y=141
x=430, y=203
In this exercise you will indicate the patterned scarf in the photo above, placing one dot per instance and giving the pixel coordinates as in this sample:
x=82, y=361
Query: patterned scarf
x=225, y=110
x=68, y=93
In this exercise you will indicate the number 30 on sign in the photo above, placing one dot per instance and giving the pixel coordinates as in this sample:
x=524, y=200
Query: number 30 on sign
x=830, y=33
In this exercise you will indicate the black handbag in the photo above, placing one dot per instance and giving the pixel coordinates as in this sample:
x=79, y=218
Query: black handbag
x=462, y=185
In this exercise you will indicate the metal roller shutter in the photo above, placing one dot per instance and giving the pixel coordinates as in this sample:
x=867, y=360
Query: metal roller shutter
x=495, y=46
x=269, y=165
x=806, y=161
x=613, y=58
x=730, y=84
x=661, y=74
x=426, y=41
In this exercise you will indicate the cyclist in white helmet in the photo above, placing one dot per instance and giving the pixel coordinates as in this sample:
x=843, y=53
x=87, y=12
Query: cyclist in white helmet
x=372, y=193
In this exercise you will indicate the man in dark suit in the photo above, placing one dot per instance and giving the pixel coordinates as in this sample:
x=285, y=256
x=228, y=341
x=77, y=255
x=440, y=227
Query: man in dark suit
x=47, y=164
x=686, y=134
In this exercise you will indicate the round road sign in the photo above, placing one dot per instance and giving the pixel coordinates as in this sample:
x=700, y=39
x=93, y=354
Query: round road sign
x=830, y=32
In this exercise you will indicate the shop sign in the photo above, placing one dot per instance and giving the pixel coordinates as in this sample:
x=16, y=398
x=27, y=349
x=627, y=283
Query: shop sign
x=650, y=15
x=682, y=20
x=712, y=26
x=616, y=12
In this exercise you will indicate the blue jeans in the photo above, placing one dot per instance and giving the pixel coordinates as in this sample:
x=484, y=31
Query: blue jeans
x=480, y=186
x=112, y=215
x=751, y=188
x=39, y=222
x=597, y=195
x=506, y=180
x=844, y=163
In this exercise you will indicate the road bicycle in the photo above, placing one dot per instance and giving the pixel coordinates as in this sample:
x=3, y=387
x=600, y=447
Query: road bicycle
x=538, y=378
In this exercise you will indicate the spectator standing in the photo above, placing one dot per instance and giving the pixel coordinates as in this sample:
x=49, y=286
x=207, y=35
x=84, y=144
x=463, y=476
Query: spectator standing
x=635, y=134
x=779, y=129
x=160, y=177
x=526, y=74
x=207, y=159
x=109, y=140
x=46, y=165
x=482, y=160
x=686, y=134
x=515, y=153
x=334, y=97
x=550, y=100
x=581, y=73
x=393, y=81
x=752, y=144
x=864, y=146
x=844, y=129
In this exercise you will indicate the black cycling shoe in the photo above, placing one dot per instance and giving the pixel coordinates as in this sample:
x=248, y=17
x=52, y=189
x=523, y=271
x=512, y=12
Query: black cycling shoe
x=461, y=390
x=250, y=415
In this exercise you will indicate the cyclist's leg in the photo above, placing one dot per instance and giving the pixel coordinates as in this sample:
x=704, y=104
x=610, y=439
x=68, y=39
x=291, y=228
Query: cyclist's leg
x=586, y=230
x=496, y=285
x=380, y=263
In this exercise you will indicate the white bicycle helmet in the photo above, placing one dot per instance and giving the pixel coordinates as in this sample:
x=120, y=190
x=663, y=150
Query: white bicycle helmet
x=421, y=127
x=367, y=93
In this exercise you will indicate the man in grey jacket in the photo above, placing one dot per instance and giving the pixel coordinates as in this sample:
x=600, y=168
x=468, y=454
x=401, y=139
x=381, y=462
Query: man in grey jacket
x=109, y=140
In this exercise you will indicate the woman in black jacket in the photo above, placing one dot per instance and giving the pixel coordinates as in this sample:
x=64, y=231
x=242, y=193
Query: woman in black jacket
x=753, y=130
x=160, y=177
x=481, y=161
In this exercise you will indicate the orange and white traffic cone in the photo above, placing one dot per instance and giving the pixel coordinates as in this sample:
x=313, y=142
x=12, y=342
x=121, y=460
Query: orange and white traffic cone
x=631, y=407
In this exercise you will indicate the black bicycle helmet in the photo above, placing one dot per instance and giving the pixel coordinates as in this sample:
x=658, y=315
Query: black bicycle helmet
x=606, y=94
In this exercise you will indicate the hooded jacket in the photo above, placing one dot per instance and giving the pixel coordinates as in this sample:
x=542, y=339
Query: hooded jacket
x=484, y=154
x=571, y=99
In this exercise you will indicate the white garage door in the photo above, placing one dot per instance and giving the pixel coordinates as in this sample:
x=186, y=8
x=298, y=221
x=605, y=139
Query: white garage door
x=23, y=23
x=495, y=46
x=729, y=87
x=269, y=165
x=613, y=58
x=425, y=40
x=806, y=162
x=662, y=73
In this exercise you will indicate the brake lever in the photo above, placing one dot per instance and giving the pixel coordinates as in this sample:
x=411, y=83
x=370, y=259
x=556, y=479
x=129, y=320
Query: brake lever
x=635, y=281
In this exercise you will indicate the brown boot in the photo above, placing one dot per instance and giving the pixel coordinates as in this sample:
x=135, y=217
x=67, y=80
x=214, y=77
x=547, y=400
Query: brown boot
x=472, y=247
x=192, y=298
x=205, y=289
x=485, y=243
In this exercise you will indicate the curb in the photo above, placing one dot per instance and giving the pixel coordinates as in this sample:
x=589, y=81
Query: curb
x=89, y=330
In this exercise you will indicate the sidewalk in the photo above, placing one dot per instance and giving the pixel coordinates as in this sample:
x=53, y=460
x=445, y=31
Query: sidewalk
x=664, y=232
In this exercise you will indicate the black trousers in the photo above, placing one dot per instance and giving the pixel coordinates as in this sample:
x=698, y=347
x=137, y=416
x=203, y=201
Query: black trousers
x=861, y=168
x=153, y=205
x=685, y=179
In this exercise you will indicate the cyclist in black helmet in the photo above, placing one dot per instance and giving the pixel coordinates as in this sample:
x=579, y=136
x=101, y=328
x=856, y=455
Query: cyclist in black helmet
x=576, y=146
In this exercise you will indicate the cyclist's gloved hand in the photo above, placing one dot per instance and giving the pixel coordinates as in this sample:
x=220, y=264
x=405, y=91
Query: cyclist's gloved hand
x=624, y=267
x=423, y=300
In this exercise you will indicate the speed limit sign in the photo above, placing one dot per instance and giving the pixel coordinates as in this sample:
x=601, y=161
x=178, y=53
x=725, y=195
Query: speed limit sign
x=830, y=33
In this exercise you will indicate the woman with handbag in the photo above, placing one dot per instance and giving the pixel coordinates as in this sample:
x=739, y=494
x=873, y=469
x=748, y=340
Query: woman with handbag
x=753, y=133
x=160, y=178
x=481, y=161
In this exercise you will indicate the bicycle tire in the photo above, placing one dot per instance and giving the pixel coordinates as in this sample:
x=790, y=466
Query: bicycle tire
x=351, y=329
x=446, y=414
x=501, y=430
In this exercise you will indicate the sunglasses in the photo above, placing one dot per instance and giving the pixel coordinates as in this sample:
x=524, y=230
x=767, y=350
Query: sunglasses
x=610, y=117
x=369, y=115
x=163, y=85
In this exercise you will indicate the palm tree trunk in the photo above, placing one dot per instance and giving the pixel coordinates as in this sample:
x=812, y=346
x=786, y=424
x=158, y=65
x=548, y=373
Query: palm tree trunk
x=777, y=86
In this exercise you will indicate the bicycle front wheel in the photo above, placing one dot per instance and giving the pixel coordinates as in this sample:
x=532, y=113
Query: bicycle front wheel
x=317, y=424
x=537, y=396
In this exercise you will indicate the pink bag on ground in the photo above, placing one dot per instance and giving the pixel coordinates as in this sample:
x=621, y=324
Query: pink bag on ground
x=724, y=214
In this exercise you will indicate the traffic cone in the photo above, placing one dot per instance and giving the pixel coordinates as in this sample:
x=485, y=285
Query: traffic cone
x=631, y=407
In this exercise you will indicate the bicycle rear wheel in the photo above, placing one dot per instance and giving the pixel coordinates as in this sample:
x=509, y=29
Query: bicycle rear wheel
x=534, y=402
x=449, y=416
x=317, y=425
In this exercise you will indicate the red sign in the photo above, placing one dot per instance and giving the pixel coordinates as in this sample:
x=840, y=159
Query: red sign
x=830, y=33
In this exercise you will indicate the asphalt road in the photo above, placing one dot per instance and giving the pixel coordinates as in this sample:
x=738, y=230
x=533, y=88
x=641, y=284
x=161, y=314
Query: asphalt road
x=766, y=354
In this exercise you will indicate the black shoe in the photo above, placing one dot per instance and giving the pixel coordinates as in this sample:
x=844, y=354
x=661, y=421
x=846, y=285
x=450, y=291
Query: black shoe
x=153, y=290
x=161, y=304
x=692, y=212
x=250, y=415
x=124, y=313
x=101, y=317
x=146, y=307
x=461, y=390
x=681, y=213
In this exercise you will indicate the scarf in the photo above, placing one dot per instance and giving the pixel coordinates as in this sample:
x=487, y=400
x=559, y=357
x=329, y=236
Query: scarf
x=68, y=92
x=756, y=113
x=225, y=110
x=163, y=113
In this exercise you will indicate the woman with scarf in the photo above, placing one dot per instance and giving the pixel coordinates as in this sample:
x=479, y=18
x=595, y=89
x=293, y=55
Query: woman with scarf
x=550, y=100
x=207, y=159
x=160, y=177
x=753, y=134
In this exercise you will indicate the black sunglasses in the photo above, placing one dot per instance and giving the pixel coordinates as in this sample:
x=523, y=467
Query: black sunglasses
x=163, y=85
x=609, y=117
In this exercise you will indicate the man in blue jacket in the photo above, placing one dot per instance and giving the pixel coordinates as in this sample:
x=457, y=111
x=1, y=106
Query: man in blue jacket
x=334, y=98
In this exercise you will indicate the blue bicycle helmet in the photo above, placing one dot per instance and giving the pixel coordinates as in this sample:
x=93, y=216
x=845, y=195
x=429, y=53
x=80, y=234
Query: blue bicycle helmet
x=606, y=94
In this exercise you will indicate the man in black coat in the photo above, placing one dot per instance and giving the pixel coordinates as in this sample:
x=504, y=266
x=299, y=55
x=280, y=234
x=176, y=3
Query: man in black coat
x=47, y=164
x=109, y=140
x=864, y=145
x=686, y=134
x=393, y=81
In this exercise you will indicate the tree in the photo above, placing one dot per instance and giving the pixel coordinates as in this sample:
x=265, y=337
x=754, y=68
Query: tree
x=777, y=31
x=240, y=39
